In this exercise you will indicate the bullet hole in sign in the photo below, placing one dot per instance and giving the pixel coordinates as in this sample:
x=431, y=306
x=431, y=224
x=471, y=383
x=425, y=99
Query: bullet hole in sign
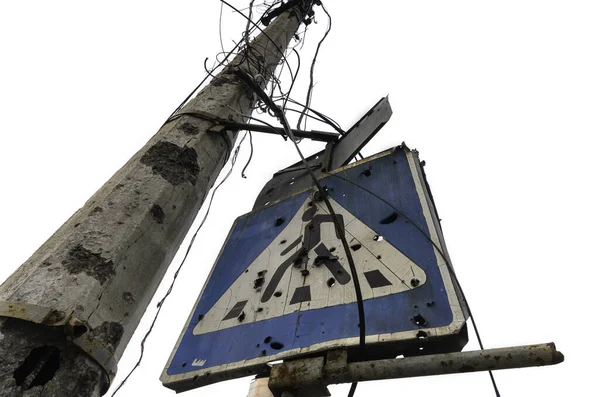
x=276, y=345
x=356, y=247
x=389, y=219
x=419, y=320
x=258, y=282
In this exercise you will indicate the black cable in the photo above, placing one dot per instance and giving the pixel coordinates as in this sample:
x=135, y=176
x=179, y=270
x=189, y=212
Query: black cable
x=212, y=70
x=261, y=30
x=203, y=80
x=312, y=70
x=442, y=254
x=323, y=194
x=249, y=158
x=187, y=251
x=326, y=119
x=308, y=116
x=342, y=232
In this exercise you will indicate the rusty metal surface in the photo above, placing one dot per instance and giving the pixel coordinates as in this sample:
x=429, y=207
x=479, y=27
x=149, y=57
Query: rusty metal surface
x=34, y=313
x=313, y=372
x=300, y=378
x=100, y=353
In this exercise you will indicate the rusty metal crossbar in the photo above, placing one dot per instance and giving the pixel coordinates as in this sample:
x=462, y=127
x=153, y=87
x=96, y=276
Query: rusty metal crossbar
x=310, y=376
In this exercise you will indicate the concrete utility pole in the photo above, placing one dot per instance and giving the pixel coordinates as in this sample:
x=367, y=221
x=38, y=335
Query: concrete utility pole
x=67, y=314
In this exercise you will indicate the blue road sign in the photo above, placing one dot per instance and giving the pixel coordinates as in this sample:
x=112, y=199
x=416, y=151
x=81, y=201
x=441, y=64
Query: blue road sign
x=281, y=287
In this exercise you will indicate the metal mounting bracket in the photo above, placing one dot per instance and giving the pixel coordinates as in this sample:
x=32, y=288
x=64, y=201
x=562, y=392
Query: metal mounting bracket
x=320, y=136
x=336, y=154
x=314, y=374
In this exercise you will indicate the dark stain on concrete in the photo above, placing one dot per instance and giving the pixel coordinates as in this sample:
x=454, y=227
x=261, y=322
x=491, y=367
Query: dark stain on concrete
x=189, y=129
x=82, y=260
x=218, y=81
x=157, y=213
x=174, y=163
x=86, y=383
x=128, y=297
x=96, y=210
x=110, y=333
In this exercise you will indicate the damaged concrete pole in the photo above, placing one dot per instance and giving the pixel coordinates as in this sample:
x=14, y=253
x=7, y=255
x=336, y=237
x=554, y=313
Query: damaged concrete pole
x=67, y=314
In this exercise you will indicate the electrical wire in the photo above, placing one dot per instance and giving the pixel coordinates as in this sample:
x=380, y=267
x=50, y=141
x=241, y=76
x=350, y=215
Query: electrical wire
x=219, y=64
x=176, y=274
x=262, y=31
x=442, y=254
x=342, y=232
x=312, y=69
x=250, y=157
x=279, y=112
x=233, y=161
x=323, y=117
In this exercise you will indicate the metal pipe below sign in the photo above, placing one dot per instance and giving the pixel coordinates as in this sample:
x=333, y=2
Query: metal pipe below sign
x=316, y=373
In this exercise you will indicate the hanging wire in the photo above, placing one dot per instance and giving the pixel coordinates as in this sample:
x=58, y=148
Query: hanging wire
x=312, y=70
x=442, y=254
x=250, y=157
x=280, y=114
x=176, y=274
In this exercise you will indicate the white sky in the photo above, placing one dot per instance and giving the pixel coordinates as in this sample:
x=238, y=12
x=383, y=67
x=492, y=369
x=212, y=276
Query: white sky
x=500, y=98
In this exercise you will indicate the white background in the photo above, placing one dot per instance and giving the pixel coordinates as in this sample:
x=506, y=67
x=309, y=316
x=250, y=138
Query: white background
x=501, y=98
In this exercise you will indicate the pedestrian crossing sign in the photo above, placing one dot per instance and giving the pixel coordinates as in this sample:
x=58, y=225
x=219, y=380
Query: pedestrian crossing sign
x=281, y=287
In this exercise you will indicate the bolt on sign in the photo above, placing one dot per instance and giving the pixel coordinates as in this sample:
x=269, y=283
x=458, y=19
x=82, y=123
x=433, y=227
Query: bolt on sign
x=281, y=287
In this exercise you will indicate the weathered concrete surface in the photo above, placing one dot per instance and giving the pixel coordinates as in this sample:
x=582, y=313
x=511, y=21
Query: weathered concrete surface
x=105, y=263
x=78, y=376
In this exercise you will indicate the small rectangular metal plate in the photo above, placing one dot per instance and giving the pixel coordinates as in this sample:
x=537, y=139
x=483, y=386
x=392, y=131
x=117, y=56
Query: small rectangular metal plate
x=281, y=287
x=360, y=134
